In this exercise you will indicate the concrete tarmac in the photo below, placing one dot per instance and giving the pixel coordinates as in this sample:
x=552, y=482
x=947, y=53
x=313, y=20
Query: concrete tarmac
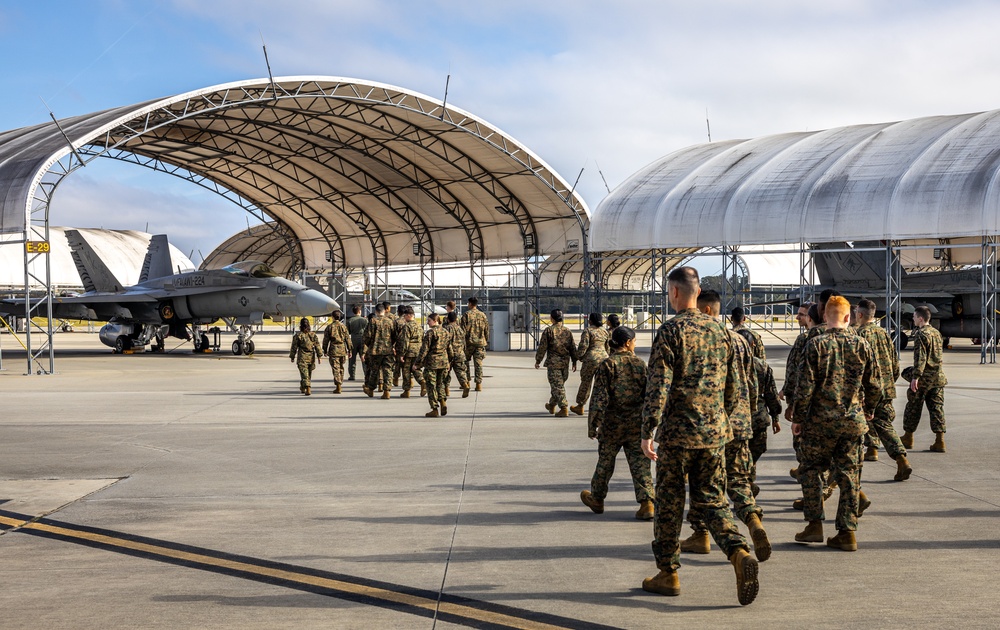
x=204, y=491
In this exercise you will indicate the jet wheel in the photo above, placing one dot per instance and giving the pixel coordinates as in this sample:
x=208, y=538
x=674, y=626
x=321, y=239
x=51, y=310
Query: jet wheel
x=249, y=347
x=122, y=343
x=238, y=347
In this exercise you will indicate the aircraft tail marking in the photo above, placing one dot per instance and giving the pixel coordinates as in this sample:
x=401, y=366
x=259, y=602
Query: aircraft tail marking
x=157, y=261
x=93, y=272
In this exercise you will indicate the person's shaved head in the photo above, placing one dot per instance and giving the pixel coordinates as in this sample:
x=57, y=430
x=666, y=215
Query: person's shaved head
x=710, y=302
x=686, y=280
x=837, y=312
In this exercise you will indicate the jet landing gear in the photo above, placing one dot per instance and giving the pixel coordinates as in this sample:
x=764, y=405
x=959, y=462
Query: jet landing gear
x=243, y=344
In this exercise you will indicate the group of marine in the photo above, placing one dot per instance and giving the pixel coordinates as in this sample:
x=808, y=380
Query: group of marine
x=702, y=406
x=395, y=350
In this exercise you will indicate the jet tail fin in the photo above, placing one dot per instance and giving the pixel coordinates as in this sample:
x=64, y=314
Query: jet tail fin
x=157, y=261
x=850, y=270
x=93, y=272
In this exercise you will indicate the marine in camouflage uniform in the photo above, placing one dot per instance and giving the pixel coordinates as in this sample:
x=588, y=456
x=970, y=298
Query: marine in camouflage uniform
x=305, y=353
x=458, y=352
x=615, y=419
x=477, y=337
x=838, y=387
x=928, y=372
x=591, y=351
x=557, y=348
x=379, y=342
x=356, y=326
x=752, y=338
x=888, y=363
x=768, y=410
x=408, y=342
x=435, y=358
x=335, y=345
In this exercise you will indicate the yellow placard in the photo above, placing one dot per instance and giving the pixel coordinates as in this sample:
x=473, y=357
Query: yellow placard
x=37, y=247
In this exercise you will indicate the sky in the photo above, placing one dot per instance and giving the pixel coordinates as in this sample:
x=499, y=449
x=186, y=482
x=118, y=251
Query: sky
x=606, y=87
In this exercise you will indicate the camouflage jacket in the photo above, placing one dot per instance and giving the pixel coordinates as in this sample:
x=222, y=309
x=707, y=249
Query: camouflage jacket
x=409, y=338
x=839, y=385
x=457, y=335
x=557, y=342
x=356, y=327
x=756, y=343
x=928, y=347
x=380, y=335
x=476, y=327
x=593, y=346
x=792, y=365
x=885, y=355
x=619, y=391
x=768, y=405
x=306, y=344
x=741, y=417
x=435, y=350
x=335, y=340
x=691, y=387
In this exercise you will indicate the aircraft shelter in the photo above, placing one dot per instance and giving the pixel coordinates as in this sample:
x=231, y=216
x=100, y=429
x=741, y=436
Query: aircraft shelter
x=927, y=189
x=347, y=174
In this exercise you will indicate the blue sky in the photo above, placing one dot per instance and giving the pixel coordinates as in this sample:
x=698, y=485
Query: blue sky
x=582, y=83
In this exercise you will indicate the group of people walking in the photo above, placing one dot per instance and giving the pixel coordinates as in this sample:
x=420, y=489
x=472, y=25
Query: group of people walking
x=395, y=350
x=703, y=405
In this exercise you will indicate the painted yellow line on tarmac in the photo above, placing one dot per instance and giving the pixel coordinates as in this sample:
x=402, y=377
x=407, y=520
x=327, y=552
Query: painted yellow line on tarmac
x=455, y=613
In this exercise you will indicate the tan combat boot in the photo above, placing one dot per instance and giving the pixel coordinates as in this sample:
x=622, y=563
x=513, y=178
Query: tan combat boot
x=697, y=542
x=663, y=583
x=761, y=545
x=907, y=439
x=433, y=413
x=447, y=390
x=812, y=533
x=423, y=390
x=844, y=540
x=550, y=407
x=596, y=505
x=479, y=387
x=465, y=391
x=395, y=382
x=794, y=473
x=405, y=394
x=385, y=394
x=645, y=511
x=903, y=469
x=863, y=502
x=338, y=390
x=871, y=454
x=444, y=409
x=308, y=391
x=746, y=576
x=577, y=409
x=368, y=391
x=938, y=445
x=562, y=413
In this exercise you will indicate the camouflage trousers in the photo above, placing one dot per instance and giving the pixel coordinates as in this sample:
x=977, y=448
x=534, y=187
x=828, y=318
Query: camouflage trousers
x=380, y=370
x=435, y=382
x=306, y=364
x=475, y=354
x=557, y=385
x=881, y=426
x=337, y=366
x=841, y=455
x=933, y=397
x=356, y=350
x=409, y=374
x=461, y=371
x=587, y=371
x=705, y=472
x=739, y=465
x=758, y=443
x=608, y=445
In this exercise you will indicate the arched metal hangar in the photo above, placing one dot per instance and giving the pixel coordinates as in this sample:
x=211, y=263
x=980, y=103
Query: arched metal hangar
x=354, y=174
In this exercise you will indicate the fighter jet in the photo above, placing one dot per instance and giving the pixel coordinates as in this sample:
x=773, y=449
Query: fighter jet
x=164, y=303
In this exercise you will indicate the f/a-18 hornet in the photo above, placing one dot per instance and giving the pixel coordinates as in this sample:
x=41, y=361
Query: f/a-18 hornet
x=165, y=303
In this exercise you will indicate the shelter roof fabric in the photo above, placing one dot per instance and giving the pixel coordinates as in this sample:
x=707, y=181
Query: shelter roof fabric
x=925, y=178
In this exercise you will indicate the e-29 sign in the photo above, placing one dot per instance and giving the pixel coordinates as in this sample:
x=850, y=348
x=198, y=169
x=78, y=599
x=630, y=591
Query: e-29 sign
x=37, y=247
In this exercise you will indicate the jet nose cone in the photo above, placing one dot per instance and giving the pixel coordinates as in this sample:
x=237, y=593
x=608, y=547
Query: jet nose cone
x=311, y=302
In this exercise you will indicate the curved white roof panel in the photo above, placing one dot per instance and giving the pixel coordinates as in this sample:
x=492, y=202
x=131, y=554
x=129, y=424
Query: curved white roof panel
x=924, y=178
x=358, y=173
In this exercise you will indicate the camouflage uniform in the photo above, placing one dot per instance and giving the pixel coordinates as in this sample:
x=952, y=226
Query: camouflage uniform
x=793, y=368
x=690, y=390
x=435, y=357
x=458, y=365
x=557, y=342
x=356, y=327
x=335, y=340
x=592, y=350
x=739, y=463
x=408, y=342
x=752, y=338
x=379, y=340
x=477, y=337
x=397, y=326
x=768, y=410
x=927, y=350
x=616, y=419
x=839, y=386
x=888, y=365
x=306, y=345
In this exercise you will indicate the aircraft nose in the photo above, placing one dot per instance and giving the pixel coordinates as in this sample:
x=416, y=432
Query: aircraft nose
x=312, y=302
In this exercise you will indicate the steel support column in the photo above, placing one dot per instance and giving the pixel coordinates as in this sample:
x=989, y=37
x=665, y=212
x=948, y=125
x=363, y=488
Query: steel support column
x=893, y=321
x=988, y=349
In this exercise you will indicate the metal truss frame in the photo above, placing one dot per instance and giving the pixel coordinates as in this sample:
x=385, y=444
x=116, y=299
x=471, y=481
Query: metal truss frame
x=893, y=321
x=988, y=349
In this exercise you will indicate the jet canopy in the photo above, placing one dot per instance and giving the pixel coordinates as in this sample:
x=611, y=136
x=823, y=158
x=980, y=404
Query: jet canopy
x=250, y=268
